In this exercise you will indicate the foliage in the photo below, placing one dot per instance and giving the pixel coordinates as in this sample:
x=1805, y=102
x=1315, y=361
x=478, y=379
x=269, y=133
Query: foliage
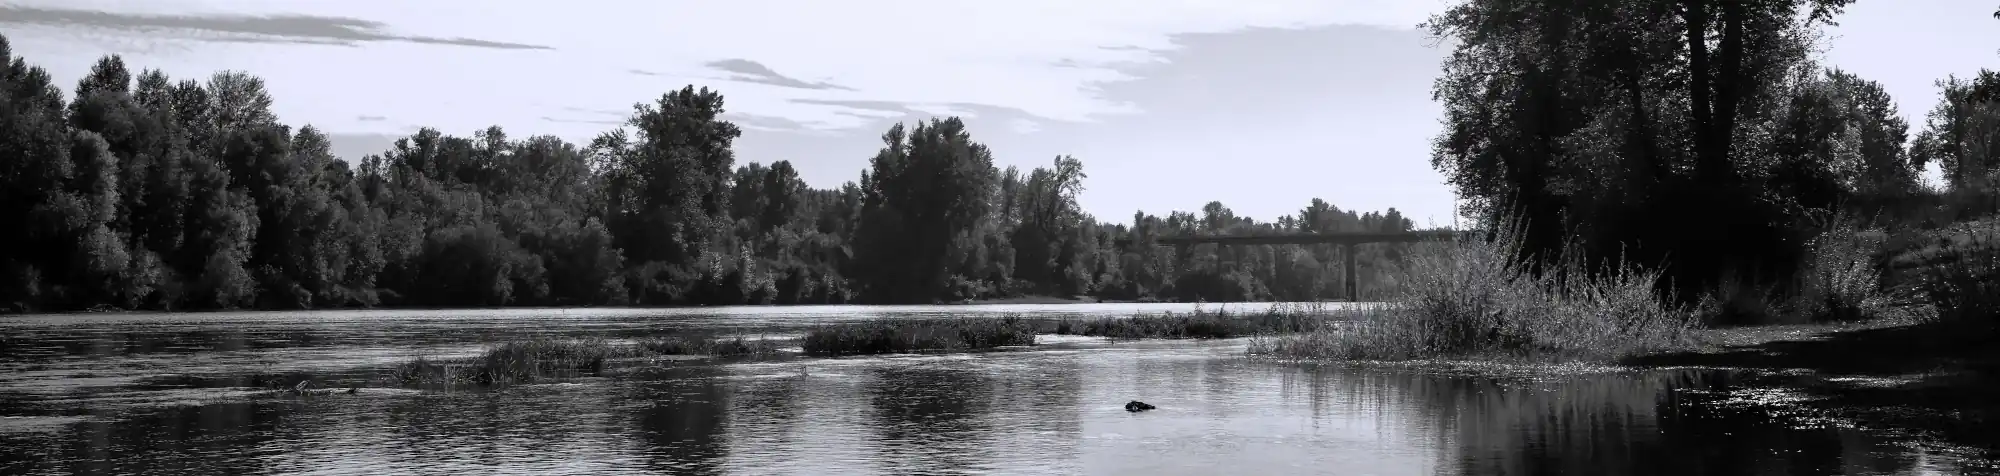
x=1844, y=278
x=901, y=336
x=530, y=360
x=142, y=192
x=1479, y=297
x=1958, y=270
x=1699, y=139
x=514, y=362
x=716, y=346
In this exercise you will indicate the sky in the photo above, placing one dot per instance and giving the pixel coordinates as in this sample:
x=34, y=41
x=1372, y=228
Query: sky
x=1260, y=104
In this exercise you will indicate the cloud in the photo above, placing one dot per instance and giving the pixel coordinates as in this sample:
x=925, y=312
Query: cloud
x=773, y=123
x=561, y=120
x=892, y=107
x=878, y=110
x=368, y=118
x=289, y=28
x=753, y=72
x=1051, y=58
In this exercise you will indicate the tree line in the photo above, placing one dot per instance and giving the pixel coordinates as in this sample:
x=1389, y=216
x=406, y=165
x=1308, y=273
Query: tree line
x=139, y=191
x=1697, y=136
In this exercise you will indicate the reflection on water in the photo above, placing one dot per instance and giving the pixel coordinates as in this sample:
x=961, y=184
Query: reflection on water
x=178, y=395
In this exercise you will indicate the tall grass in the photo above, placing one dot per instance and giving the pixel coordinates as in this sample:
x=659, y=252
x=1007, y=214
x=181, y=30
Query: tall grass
x=1201, y=323
x=1959, y=271
x=1469, y=298
x=1843, y=281
x=516, y=362
x=530, y=360
x=716, y=346
x=896, y=336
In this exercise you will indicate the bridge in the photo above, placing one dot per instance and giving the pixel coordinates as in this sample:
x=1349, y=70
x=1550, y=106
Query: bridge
x=1346, y=239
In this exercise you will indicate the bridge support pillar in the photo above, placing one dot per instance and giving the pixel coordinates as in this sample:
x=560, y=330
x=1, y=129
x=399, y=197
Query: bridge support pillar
x=1353, y=283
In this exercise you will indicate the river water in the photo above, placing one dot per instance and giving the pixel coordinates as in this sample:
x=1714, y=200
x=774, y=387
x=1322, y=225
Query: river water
x=186, y=394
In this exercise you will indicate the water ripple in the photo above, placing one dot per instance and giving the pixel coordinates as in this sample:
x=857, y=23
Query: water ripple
x=190, y=394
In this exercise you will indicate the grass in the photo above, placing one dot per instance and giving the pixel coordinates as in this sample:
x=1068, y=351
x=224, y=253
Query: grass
x=1474, y=299
x=515, y=362
x=894, y=336
x=720, y=347
x=1958, y=270
x=530, y=360
x=1843, y=282
x=1200, y=324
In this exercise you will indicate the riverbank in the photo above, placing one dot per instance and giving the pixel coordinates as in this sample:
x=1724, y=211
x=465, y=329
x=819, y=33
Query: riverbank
x=1038, y=300
x=528, y=360
x=1925, y=378
x=1018, y=300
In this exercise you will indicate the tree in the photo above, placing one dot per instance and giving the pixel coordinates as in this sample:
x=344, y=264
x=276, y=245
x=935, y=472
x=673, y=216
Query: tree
x=149, y=192
x=1578, y=118
x=925, y=191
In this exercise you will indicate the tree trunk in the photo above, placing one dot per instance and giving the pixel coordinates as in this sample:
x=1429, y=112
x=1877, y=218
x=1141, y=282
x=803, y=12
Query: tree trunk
x=1696, y=19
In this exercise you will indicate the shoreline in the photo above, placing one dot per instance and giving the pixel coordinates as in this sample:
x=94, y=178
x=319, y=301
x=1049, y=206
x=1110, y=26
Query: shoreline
x=1906, y=377
x=1035, y=299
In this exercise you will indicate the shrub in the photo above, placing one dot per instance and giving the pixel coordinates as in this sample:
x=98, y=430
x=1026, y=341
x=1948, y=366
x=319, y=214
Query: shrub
x=891, y=336
x=1478, y=297
x=1842, y=281
x=1960, y=273
x=515, y=362
x=526, y=361
x=716, y=346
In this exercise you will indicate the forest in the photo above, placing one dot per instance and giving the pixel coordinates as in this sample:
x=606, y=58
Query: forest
x=139, y=191
x=1701, y=139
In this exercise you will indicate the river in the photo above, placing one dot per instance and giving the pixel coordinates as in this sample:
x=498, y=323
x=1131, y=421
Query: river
x=184, y=393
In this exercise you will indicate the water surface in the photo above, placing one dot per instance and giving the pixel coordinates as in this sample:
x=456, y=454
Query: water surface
x=186, y=394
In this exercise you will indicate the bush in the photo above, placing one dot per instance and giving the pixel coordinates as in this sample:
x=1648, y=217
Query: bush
x=720, y=347
x=1476, y=298
x=1842, y=281
x=894, y=336
x=526, y=361
x=1960, y=273
x=516, y=362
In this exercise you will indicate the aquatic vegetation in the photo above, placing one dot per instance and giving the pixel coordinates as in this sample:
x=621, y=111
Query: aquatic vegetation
x=1203, y=323
x=516, y=362
x=894, y=336
x=530, y=360
x=717, y=346
x=1475, y=298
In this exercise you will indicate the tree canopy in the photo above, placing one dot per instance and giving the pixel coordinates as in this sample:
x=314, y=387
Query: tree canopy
x=1699, y=135
x=139, y=191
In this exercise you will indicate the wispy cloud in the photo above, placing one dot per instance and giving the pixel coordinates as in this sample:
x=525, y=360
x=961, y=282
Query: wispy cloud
x=773, y=123
x=566, y=120
x=303, y=29
x=753, y=72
